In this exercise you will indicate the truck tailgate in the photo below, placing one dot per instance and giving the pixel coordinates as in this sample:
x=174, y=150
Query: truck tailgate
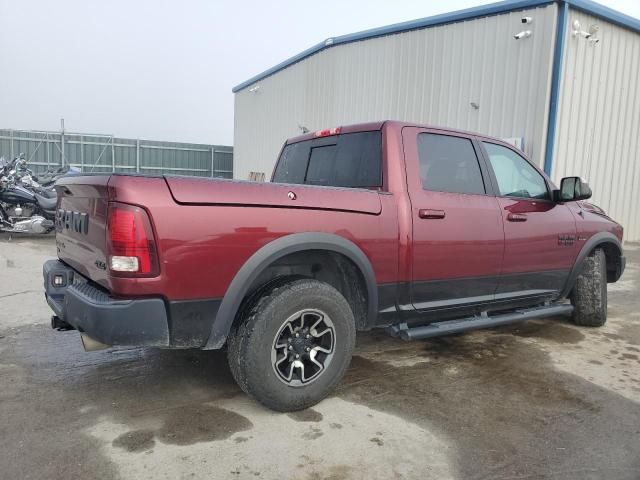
x=81, y=225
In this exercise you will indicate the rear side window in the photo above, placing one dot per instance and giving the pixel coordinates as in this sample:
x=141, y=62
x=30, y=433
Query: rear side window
x=347, y=160
x=292, y=166
x=449, y=164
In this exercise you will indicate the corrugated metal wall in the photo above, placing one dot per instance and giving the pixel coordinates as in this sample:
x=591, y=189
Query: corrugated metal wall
x=105, y=153
x=428, y=76
x=598, y=132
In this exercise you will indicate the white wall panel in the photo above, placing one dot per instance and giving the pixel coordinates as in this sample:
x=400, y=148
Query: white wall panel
x=428, y=76
x=598, y=130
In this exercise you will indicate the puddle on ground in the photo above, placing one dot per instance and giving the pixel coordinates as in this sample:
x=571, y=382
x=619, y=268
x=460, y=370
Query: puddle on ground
x=136, y=440
x=312, y=433
x=185, y=425
x=200, y=423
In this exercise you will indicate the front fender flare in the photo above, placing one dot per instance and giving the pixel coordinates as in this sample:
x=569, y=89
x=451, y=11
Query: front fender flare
x=272, y=251
x=597, y=239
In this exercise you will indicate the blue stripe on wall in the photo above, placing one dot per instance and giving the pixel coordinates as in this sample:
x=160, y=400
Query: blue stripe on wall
x=555, y=86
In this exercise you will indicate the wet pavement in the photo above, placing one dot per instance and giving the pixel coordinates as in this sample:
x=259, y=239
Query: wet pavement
x=544, y=399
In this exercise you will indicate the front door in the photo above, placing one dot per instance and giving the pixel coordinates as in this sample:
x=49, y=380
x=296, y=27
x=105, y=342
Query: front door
x=458, y=238
x=540, y=235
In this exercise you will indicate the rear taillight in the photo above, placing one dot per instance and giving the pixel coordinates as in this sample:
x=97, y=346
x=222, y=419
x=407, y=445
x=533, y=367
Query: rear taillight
x=131, y=244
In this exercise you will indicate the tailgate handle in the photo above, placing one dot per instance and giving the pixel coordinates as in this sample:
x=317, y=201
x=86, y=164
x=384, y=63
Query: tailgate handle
x=517, y=217
x=429, y=214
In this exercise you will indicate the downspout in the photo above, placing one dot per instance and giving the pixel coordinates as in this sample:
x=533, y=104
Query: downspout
x=558, y=53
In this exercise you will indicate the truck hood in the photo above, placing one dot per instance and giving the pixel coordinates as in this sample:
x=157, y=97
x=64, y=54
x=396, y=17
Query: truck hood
x=196, y=191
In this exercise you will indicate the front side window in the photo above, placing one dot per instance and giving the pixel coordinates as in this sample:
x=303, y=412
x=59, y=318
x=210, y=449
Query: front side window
x=516, y=177
x=449, y=164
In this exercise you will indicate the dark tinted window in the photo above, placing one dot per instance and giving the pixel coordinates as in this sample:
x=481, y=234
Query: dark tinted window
x=347, y=160
x=322, y=165
x=292, y=165
x=515, y=176
x=449, y=164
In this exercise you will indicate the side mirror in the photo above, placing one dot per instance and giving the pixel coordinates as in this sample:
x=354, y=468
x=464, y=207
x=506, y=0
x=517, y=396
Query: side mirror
x=573, y=189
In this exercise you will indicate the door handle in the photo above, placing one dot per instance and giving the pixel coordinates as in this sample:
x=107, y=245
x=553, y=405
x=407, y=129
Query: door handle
x=517, y=217
x=427, y=213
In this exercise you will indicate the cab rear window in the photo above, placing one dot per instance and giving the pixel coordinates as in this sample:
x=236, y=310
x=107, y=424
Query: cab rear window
x=347, y=160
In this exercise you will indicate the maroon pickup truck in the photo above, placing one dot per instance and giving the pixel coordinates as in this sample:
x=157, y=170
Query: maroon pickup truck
x=423, y=231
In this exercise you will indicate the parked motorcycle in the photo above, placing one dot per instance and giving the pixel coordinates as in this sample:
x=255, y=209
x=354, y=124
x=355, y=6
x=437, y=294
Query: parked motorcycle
x=48, y=178
x=22, y=209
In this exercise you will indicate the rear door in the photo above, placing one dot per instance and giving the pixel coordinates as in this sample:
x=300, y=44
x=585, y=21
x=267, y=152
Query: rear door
x=458, y=239
x=540, y=235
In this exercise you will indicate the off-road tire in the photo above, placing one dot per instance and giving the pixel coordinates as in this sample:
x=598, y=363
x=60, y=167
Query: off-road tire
x=589, y=295
x=252, y=337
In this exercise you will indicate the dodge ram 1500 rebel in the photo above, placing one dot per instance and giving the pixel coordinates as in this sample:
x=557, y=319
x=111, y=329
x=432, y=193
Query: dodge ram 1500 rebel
x=423, y=231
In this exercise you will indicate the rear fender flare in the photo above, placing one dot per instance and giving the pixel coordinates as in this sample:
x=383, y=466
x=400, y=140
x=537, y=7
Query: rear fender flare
x=272, y=251
x=598, y=239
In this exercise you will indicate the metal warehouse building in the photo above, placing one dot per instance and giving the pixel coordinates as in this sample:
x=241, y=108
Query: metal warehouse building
x=567, y=91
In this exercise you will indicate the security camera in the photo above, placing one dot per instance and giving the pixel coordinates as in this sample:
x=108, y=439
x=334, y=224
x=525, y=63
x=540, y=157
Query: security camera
x=577, y=30
x=522, y=34
x=582, y=33
x=526, y=20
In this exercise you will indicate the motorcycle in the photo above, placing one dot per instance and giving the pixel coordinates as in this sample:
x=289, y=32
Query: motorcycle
x=23, y=210
x=47, y=179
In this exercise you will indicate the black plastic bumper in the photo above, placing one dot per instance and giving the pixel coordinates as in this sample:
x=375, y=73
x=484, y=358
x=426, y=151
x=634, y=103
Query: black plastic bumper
x=142, y=322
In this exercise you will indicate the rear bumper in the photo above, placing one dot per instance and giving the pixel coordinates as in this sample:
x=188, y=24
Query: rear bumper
x=111, y=321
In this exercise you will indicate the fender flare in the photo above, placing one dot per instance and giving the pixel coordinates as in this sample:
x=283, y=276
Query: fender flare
x=274, y=250
x=597, y=239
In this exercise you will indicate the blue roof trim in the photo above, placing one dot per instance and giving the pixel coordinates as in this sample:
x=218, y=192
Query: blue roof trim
x=467, y=14
x=556, y=76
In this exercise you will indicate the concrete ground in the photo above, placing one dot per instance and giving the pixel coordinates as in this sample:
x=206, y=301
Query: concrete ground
x=541, y=400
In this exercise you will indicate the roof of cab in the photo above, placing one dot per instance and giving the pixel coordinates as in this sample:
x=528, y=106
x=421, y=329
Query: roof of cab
x=371, y=126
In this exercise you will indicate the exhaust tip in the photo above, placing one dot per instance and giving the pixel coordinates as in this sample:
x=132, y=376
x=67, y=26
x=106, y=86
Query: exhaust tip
x=91, y=345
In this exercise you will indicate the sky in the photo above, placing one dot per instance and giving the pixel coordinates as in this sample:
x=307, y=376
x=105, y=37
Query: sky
x=164, y=70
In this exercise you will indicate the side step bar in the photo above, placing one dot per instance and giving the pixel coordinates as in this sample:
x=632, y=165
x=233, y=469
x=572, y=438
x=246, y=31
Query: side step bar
x=474, y=323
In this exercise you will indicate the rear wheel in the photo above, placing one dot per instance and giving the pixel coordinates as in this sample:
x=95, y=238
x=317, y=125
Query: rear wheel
x=589, y=295
x=293, y=345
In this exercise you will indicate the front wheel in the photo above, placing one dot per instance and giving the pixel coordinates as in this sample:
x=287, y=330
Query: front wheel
x=589, y=295
x=293, y=345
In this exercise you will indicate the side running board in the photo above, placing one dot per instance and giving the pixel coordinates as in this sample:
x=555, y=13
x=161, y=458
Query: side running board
x=474, y=323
